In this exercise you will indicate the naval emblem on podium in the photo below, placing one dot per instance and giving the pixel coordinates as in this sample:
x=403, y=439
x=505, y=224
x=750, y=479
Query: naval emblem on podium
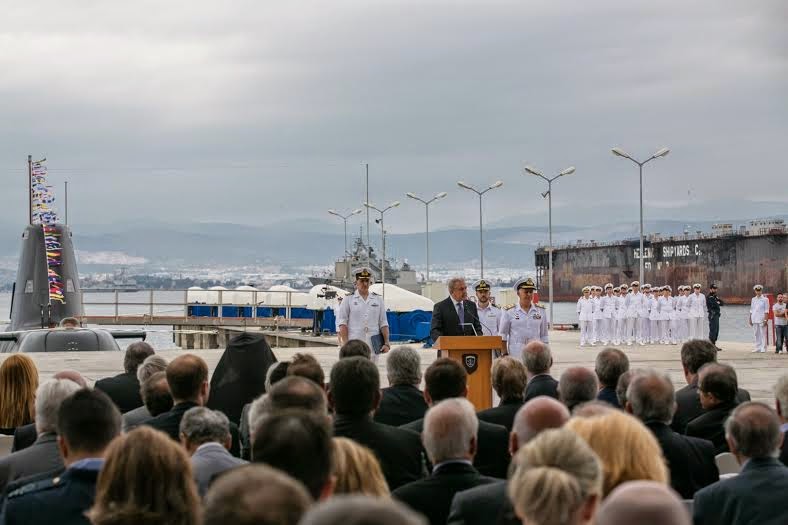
x=470, y=362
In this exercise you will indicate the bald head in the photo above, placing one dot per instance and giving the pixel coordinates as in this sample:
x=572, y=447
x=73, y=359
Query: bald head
x=644, y=503
x=538, y=414
x=537, y=358
x=577, y=385
x=73, y=376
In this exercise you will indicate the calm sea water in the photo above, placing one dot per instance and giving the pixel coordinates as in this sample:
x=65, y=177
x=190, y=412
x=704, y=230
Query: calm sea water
x=733, y=323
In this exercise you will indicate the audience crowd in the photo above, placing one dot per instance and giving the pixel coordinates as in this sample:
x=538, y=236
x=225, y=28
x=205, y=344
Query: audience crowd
x=264, y=442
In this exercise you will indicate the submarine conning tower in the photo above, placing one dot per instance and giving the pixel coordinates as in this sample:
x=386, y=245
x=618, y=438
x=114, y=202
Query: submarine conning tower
x=46, y=289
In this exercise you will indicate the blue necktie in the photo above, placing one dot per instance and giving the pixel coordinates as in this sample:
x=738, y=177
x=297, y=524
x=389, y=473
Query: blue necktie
x=460, y=312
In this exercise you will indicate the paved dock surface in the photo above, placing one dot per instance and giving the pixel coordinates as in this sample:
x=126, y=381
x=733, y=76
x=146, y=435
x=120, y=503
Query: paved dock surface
x=756, y=372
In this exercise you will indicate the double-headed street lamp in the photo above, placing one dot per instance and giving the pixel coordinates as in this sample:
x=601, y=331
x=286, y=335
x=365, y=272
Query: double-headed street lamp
x=549, y=195
x=661, y=153
x=427, y=212
x=496, y=184
x=344, y=219
x=383, y=235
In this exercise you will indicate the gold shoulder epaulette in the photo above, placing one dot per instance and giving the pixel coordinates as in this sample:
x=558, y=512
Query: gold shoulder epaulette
x=539, y=305
x=508, y=307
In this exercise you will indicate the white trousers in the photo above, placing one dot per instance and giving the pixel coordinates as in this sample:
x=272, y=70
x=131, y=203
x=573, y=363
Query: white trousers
x=664, y=331
x=759, y=330
x=599, y=330
x=630, y=329
x=643, y=335
x=696, y=328
x=585, y=332
x=654, y=331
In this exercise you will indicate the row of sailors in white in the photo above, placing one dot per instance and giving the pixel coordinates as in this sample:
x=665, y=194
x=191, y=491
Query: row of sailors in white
x=624, y=314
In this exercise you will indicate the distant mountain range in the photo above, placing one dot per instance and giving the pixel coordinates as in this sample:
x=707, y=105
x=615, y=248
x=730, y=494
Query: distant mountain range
x=313, y=242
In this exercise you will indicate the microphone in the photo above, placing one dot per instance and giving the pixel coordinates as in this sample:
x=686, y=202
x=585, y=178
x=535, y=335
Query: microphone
x=493, y=332
x=471, y=325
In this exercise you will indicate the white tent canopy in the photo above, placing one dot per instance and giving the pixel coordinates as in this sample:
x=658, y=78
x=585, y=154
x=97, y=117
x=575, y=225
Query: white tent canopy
x=401, y=300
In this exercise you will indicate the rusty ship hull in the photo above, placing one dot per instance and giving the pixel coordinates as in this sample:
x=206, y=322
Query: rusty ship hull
x=735, y=263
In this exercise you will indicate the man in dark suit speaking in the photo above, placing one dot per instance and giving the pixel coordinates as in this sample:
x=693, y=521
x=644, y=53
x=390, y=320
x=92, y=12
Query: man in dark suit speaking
x=455, y=315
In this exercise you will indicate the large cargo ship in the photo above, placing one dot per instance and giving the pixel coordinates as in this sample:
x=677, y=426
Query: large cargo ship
x=734, y=259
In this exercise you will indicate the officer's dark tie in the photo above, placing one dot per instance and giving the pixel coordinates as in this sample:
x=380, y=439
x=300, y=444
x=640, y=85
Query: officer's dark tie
x=461, y=312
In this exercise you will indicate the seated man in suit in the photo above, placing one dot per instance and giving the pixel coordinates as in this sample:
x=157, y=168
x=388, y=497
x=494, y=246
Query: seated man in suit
x=508, y=379
x=151, y=365
x=538, y=359
x=781, y=405
x=88, y=421
x=205, y=434
x=124, y=389
x=449, y=438
x=297, y=442
x=402, y=402
x=651, y=398
x=455, y=315
x=642, y=502
x=42, y=456
x=610, y=364
x=757, y=493
x=446, y=378
x=576, y=386
x=489, y=503
x=187, y=377
x=717, y=387
x=354, y=394
x=694, y=354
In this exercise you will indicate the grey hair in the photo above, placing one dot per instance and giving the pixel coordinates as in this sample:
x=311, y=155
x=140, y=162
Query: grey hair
x=49, y=396
x=539, y=359
x=754, y=430
x=652, y=396
x=257, y=412
x=403, y=366
x=448, y=429
x=577, y=385
x=203, y=425
x=451, y=283
x=152, y=364
x=781, y=394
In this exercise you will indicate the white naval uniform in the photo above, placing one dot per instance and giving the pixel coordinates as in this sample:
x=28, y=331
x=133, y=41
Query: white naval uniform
x=608, y=304
x=665, y=309
x=363, y=318
x=682, y=319
x=643, y=321
x=519, y=327
x=585, y=316
x=596, y=330
x=697, y=313
x=653, y=319
x=759, y=311
x=621, y=319
x=633, y=303
x=490, y=318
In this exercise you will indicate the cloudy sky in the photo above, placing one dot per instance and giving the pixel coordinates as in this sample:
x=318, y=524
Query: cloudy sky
x=264, y=111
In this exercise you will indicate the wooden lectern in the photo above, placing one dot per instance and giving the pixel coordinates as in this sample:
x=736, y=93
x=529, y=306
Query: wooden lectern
x=475, y=354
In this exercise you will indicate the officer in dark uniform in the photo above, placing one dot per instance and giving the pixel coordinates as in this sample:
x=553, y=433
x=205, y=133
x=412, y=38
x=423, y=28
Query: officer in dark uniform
x=713, y=304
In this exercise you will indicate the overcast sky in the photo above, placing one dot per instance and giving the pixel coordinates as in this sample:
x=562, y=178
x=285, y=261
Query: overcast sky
x=265, y=111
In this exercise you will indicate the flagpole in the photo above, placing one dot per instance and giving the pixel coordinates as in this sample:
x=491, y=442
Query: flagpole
x=30, y=188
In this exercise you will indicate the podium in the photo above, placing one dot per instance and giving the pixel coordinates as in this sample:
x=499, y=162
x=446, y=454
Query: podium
x=475, y=354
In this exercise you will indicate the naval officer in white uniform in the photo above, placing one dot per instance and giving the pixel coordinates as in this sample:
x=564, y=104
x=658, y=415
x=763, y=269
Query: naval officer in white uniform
x=489, y=314
x=585, y=316
x=524, y=322
x=363, y=314
x=697, y=313
x=759, y=312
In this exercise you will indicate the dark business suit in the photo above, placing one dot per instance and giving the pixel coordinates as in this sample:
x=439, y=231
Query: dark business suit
x=710, y=426
x=41, y=456
x=62, y=500
x=484, y=504
x=445, y=320
x=400, y=404
x=399, y=451
x=688, y=406
x=690, y=460
x=123, y=390
x=170, y=423
x=608, y=395
x=755, y=497
x=541, y=385
x=24, y=437
x=503, y=414
x=492, y=451
x=209, y=461
x=432, y=496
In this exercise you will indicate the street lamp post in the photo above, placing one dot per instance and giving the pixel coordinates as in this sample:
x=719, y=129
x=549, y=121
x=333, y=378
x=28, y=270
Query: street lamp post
x=344, y=219
x=496, y=184
x=383, y=233
x=549, y=195
x=427, y=213
x=661, y=153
